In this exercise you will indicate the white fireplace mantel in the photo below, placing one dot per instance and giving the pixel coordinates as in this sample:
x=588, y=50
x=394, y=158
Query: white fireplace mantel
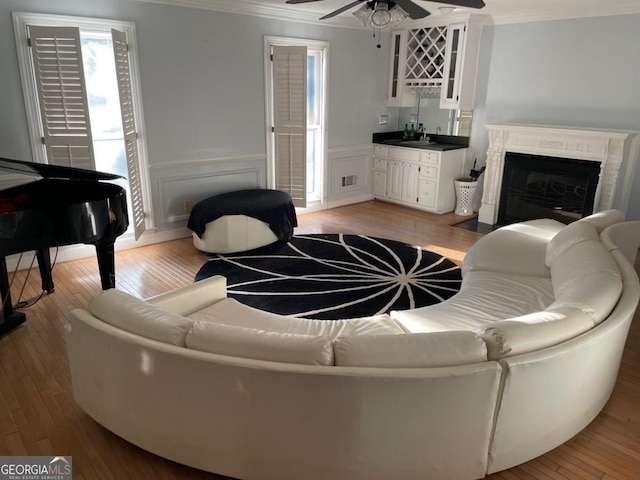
x=580, y=144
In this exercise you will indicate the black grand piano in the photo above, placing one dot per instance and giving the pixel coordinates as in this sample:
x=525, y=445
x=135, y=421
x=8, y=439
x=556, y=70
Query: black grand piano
x=62, y=206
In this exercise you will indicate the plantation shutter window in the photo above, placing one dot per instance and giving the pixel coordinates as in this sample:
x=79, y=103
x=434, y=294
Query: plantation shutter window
x=121, y=54
x=290, y=120
x=59, y=78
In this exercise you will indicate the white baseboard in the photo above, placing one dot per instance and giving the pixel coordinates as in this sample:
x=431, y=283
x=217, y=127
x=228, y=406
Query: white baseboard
x=124, y=242
x=350, y=200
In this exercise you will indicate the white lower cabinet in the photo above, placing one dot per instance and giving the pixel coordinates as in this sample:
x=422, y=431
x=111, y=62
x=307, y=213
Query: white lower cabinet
x=427, y=192
x=379, y=183
x=417, y=178
x=394, y=180
x=410, y=172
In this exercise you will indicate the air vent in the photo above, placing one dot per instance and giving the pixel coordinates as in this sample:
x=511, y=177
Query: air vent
x=349, y=181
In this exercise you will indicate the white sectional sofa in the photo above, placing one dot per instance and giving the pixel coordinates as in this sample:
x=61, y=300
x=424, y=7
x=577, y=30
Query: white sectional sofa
x=519, y=361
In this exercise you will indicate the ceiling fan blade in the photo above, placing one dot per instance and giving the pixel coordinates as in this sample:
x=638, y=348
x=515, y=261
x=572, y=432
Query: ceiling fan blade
x=301, y=1
x=463, y=3
x=412, y=9
x=343, y=9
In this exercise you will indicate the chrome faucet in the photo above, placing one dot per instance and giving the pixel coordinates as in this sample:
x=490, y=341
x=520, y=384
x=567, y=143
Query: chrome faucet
x=438, y=130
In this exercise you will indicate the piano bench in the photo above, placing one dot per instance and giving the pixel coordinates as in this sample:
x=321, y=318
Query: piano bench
x=234, y=233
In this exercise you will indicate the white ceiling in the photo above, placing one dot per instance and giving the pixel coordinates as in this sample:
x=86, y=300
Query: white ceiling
x=498, y=11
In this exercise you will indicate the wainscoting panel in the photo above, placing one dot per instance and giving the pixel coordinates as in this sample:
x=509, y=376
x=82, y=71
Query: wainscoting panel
x=349, y=171
x=177, y=188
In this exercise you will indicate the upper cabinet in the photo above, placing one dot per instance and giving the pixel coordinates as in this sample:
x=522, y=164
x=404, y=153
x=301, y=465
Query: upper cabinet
x=463, y=48
x=435, y=56
x=426, y=48
x=398, y=96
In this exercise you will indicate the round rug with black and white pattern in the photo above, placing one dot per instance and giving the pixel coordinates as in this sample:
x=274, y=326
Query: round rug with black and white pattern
x=334, y=276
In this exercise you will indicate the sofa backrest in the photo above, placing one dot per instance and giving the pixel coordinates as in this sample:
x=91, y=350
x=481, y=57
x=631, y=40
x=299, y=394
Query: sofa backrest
x=534, y=331
x=412, y=350
x=260, y=344
x=604, y=219
x=623, y=236
x=133, y=315
x=583, y=272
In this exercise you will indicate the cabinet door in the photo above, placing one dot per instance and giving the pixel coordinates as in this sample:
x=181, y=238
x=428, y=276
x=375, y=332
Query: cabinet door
x=410, y=182
x=394, y=180
x=450, y=93
x=427, y=192
x=379, y=184
x=398, y=96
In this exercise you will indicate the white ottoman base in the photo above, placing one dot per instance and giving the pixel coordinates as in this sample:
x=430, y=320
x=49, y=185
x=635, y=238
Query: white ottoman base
x=234, y=233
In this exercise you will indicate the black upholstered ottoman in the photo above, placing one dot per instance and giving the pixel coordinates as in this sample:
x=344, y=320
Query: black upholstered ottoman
x=242, y=220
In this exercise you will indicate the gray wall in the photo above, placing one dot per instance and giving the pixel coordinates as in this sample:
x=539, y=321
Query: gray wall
x=582, y=73
x=202, y=78
x=203, y=85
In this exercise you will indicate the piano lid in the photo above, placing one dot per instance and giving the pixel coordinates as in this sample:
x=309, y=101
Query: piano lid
x=54, y=171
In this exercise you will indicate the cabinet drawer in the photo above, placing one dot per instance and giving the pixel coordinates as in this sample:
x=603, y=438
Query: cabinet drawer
x=427, y=171
x=379, y=164
x=430, y=157
x=380, y=151
x=406, y=154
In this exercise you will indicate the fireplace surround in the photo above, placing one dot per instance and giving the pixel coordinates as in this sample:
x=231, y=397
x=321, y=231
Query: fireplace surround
x=605, y=147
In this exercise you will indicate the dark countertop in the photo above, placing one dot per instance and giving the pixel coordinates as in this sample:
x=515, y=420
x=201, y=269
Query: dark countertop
x=438, y=143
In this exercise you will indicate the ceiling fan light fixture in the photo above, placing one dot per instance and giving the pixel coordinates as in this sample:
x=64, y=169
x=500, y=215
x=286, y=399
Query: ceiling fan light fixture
x=381, y=17
x=397, y=15
x=446, y=10
x=363, y=14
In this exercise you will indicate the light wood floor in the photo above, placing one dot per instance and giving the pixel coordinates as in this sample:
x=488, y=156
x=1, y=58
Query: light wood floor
x=39, y=417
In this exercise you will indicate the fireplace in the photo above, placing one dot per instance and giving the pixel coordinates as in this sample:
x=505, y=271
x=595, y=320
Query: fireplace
x=535, y=186
x=550, y=144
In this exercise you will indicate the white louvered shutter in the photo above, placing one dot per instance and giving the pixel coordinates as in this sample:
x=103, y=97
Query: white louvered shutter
x=59, y=76
x=121, y=53
x=290, y=121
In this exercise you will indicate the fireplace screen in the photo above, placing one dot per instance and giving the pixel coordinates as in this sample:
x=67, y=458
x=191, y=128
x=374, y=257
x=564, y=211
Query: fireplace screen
x=536, y=186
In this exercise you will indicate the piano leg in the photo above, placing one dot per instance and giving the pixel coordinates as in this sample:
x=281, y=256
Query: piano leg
x=44, y=264
x=106, y=264
x=9, y=318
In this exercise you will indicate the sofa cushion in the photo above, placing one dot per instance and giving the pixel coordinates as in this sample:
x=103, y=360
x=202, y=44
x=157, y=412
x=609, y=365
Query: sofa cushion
x=259, y=344
x=519, y=249
x=569, y=236
x=586, y=277
x=137, y=316
x=604, y=219
x=533, y=332
x=418, y=350
x=231, y=312
x=485, y=297
x=595, y=294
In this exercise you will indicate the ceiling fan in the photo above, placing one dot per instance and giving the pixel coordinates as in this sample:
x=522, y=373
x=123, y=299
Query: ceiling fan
x=413, y=10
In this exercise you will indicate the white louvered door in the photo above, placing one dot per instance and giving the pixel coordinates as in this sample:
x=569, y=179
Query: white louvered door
x=59, y=77
x=290, y=120
x=121, y=53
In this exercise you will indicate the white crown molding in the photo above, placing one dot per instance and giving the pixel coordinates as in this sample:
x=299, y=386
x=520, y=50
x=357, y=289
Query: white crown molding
x=602, y=10
x=287, y=14
x=264, y=11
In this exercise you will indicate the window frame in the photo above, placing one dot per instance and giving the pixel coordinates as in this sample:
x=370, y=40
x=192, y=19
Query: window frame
x=324, y=47
x=34, y=121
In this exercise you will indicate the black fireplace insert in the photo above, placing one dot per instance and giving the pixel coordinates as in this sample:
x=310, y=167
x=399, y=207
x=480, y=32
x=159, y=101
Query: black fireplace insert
x=535, y=186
